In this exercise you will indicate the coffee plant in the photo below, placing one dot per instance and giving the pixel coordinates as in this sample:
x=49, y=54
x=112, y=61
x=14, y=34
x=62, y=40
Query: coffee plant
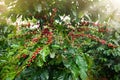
x=55, y=43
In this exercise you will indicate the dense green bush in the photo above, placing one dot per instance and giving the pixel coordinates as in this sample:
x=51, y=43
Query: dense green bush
x=53, y=40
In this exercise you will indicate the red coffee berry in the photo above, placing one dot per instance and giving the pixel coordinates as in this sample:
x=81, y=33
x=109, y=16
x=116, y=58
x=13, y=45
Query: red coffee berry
x=39, y=48
x=30, y=61
x=24, y=55
x=110, y=45
x=45, y=31
x=28, y=65
x=35, y=40
x=28, y=24
x=102, y=41
x=86, y=23
x=70, y=33
x=33, y=57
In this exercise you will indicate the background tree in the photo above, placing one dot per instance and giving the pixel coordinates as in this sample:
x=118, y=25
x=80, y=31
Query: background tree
x=57, y=40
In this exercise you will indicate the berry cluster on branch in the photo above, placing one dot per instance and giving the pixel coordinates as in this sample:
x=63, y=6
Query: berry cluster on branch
x=74, y=36
x=34, y=55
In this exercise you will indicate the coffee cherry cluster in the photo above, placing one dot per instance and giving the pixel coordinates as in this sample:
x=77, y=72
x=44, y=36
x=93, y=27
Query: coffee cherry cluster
x=35, y=40
x=103, y=30
x=45, y=33
x=34, y=55
x=25, y=25
x=24, y=55
x=83, y=29
x=111, y=45
x=102, y=41
x=86, y=23
x=48, y=34
x=74, y=36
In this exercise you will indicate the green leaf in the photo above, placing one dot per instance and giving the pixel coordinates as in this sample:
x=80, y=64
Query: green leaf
x=44, y=52
x=81, y=14
x=34, y=20
x=10, y=76
x=82, y=66
x=61, y=76
x=69, y=63
x=55, y=46
x=13, y=18
x=71, y=50
x=40, y=62
x=44, y=75
x=89, y=60
x=117, y=68
x=75, y=71
x=81, y=62
x=10, y=35
x=25, y=51
x=100, y=48
x=10, y=53
x=15, y=46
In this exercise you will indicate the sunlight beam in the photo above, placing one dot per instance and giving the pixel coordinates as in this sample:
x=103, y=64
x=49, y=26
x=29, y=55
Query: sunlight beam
x=116, y=4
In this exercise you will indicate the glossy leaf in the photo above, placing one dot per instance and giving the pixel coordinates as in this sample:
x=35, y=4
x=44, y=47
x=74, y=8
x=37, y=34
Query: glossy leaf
x=82, y=66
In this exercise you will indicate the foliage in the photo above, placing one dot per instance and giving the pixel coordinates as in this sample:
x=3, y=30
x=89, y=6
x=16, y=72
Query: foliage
x=57, y=43
x=41, y=8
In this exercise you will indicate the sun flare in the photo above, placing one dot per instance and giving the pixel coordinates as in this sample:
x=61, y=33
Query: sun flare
x=115, y=3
